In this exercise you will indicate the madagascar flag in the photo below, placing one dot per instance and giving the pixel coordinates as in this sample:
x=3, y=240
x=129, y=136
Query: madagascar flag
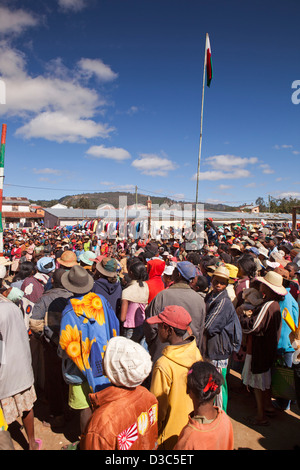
x=209, y=71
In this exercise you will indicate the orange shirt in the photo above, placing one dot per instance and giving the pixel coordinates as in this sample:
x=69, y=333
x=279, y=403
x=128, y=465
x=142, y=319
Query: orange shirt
x=217, y=435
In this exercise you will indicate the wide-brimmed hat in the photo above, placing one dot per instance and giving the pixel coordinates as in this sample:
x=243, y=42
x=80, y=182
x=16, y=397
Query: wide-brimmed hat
x=45, y=265
x=221, y=271
x=68, y=259
x=283, y=272
x=274, y=281
x=87, y=257
x=108, y=267
x=4, y=261
x=77, y=280
x=126, y=363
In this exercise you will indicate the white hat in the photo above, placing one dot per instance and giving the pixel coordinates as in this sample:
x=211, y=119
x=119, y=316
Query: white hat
x=126, y=363
x=169, y=270
x=274, y=281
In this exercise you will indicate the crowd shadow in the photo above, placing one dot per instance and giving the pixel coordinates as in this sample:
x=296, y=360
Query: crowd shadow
x=282, y=433
x=70, y=430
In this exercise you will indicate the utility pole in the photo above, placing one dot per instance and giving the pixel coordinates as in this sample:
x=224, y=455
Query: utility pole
x=136, y=198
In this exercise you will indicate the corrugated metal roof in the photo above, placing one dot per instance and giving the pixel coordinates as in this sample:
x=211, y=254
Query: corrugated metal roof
x=72, y=213
x=132, y=213
x=21, y=215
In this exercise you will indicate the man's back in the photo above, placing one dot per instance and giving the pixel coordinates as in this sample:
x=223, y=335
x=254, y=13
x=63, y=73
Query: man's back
x=169, y=386
x=178, y=294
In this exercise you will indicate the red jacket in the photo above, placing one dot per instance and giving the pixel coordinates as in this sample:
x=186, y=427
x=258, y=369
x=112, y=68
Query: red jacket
x=122, y=419
x=155, y=268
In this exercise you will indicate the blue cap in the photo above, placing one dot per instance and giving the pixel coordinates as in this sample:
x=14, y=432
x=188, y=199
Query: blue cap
x=187, y=270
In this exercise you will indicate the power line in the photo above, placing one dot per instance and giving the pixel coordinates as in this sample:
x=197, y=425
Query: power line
x=147, y=191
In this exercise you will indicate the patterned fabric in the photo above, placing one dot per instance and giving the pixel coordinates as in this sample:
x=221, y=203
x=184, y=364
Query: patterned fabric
x=14, y=407
x=88, y=322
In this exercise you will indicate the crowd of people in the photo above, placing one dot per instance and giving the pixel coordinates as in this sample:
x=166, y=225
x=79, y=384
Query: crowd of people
x=137, y=337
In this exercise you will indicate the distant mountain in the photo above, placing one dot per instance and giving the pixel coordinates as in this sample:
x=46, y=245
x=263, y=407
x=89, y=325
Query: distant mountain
x=93, y=200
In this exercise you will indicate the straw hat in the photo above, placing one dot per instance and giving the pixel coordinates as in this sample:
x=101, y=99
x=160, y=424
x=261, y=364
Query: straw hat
x=274, y=281
x=221, y=271
x=68, y=259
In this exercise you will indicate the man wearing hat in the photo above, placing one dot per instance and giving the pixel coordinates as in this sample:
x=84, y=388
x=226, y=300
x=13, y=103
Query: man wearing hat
x=179, y=293
x=263, y=327
x=222, y=331
x=87, y=324
x=107, y=283
x=124, y=414
x=168, y=382
x=44, y=323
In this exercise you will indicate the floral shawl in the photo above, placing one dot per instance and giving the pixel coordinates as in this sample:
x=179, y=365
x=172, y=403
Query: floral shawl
x=88, y=322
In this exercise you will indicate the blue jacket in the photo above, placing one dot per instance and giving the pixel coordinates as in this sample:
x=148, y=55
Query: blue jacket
x=222, y=330
x=284, y=344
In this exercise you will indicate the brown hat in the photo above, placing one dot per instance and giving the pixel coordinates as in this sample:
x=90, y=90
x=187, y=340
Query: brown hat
x=77, y=280
x=283, y=272
x=108, y=267
x=68, y=259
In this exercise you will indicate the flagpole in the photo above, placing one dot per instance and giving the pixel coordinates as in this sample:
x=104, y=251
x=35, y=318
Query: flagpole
x=2, y=154
x=201, y=125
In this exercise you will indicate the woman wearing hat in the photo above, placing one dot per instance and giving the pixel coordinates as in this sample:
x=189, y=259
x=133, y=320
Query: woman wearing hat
x=106, y=283
x=124, y=414
x=263, y=332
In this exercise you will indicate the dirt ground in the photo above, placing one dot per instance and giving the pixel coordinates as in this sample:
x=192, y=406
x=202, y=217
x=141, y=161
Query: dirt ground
x=282, y=433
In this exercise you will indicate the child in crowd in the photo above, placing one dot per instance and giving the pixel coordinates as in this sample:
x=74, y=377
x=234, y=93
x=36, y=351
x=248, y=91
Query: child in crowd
x=208, y=427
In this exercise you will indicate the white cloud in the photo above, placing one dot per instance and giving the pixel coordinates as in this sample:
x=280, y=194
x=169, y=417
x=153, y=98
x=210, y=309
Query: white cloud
x=226, y=167
x=289, y=194
x=250, y=185
x=227, y=162
x=283, y=146
x=266, y=169
x=15, y=22
x=60, y=127
x=98, y=68
x=151, y=164
x=54, y=106
x=73, y=5
x=225, y=186
x=111, y=153
x=220, y=175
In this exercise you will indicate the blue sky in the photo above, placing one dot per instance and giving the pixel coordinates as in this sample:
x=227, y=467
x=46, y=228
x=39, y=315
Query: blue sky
x=106, y=95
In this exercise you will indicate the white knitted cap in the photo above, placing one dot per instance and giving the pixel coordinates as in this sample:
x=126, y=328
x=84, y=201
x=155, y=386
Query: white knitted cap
x=126, y=363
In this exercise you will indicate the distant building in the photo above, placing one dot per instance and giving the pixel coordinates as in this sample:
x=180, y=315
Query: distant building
x=67, y=217
x=16, y=212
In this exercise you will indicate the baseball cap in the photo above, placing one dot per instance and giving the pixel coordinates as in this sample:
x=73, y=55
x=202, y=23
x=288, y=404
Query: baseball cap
x=172, y=315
